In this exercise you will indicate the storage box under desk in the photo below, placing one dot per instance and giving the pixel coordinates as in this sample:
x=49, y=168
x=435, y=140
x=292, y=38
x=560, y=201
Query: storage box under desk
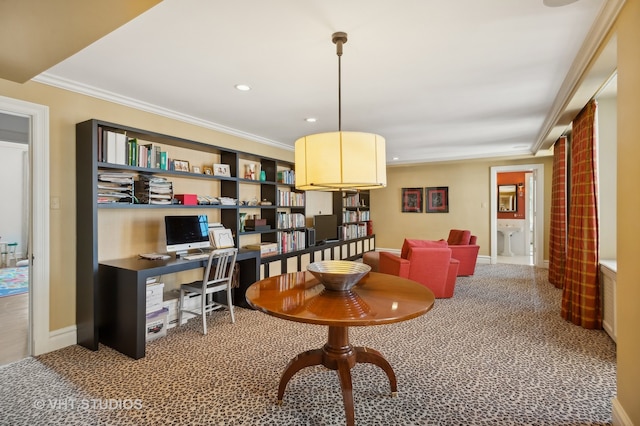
x=122, y=288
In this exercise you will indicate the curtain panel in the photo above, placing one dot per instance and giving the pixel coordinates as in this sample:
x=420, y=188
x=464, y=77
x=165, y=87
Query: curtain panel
x=558, y=225
x=581, y=295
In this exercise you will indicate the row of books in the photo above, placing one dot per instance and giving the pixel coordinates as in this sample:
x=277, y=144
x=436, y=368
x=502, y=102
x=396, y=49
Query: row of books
x=290, y=220
x=115, y=188
x=352, y=200
x=290, y=241
x=354, y=231
x=118, y=148
x=286, y=176
x=351, y=216
x=290, y=199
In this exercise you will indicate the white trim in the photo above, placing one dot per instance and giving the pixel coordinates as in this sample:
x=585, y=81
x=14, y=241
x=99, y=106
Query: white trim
x=538, y=177
x=601, y=26
x=62, y=338
x=619, y=417
x=98, y=93
x=14, y=145
x=39, y=235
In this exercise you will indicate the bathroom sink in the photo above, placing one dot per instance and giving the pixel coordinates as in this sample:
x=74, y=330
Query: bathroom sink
x=507, y=231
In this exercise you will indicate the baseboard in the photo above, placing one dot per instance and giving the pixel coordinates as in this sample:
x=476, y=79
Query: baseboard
x=484, y=259
x=61, y=338
x=619, y=416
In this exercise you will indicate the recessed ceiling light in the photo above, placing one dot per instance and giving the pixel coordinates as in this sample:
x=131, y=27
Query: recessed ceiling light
x=395, y=158
x=310, y=120
x=243, y=87
x=557, y=3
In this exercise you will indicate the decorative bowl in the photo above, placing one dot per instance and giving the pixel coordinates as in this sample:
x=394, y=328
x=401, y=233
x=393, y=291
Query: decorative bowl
x=338, y=275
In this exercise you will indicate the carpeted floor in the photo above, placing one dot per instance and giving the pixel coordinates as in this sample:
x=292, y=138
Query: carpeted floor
x=497, y=353
x=14, y=281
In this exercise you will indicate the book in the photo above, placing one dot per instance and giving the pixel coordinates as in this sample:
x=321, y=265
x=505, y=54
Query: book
x=121, y=148
x=110, y=156
x=132, y=154
x=163, y=160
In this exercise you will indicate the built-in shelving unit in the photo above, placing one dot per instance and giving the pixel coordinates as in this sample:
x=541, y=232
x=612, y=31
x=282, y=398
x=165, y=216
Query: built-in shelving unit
x=251, y=186
x=352, y=209
x=98, y=154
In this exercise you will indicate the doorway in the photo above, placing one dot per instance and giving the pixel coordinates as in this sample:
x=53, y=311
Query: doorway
x=34, y=253
x=14, y=225
x=532, y=233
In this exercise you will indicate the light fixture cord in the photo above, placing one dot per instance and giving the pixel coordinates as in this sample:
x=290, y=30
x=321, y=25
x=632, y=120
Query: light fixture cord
x=339, y=93
x=339, y=53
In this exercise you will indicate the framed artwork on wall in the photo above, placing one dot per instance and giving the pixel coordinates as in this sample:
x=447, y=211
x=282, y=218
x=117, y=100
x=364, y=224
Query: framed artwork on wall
x=412, y=200
x=437, y=199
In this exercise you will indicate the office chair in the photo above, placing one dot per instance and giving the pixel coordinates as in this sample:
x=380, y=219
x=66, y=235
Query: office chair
x=217, y=277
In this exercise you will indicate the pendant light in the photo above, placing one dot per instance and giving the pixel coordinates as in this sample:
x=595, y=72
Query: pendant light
x=340, y=160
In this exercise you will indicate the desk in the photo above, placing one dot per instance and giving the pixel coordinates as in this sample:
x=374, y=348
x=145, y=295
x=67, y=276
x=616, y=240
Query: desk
x=376, y=299
x=122, y=296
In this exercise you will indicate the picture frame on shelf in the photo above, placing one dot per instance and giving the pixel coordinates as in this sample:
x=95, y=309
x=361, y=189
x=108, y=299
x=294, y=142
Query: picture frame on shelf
x=437, y=199
x=207, y=170
x=180, y=166
x=195, y=169
x=412, y=200
x=221, y=238
x=221, y=170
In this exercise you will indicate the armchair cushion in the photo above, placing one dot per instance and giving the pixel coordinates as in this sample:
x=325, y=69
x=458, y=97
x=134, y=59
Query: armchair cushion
x=464, y=248
x=459, y=237
x=429, y=266
x=420, y=243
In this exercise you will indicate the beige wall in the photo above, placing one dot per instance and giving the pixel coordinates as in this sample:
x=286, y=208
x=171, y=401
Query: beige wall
x=469, y=201
x=467, y=182
x=66, y=109
x=628, y=279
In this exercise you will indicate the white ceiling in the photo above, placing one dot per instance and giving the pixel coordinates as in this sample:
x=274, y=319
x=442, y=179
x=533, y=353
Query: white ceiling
x=438, y=79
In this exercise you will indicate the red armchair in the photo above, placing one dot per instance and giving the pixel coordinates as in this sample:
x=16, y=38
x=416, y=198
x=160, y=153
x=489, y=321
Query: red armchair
x=426, y=262
x=464, y=248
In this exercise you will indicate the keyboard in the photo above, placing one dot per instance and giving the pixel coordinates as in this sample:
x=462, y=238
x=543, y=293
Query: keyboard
x=196, y=256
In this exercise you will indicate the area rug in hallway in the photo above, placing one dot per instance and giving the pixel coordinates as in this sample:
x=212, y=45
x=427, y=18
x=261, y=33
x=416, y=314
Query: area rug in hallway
x=14, y=281
x=497, y=353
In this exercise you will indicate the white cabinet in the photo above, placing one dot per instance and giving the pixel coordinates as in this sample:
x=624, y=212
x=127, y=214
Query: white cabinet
x=608, y=270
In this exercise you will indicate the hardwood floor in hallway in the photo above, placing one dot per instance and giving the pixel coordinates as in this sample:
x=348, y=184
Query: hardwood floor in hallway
x=14, y=334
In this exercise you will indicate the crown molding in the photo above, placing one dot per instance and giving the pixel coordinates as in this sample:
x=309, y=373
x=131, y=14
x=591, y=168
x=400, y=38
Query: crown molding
x=94, y=92
x=599, y=30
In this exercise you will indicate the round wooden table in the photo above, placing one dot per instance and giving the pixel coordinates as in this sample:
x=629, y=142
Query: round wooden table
x=376, y=299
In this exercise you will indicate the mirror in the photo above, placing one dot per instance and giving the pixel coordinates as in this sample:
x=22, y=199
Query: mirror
x=507, y=200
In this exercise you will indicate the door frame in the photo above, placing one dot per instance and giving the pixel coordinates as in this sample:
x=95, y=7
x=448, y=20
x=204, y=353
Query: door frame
x=538, y=208
x=38, y=115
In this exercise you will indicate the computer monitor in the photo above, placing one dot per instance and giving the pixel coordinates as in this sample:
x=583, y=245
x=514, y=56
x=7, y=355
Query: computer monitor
x=186, y=232
x=326, y=226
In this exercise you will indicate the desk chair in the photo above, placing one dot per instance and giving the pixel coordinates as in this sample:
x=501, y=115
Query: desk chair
x=217, y=277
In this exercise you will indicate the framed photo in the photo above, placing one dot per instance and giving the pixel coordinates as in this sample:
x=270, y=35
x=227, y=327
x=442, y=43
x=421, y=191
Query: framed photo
x=221, y=170
x=411, y=200
x=222, y=238
x=207, y=170
x=437, y=199
x=180, y=166
x=195, y=169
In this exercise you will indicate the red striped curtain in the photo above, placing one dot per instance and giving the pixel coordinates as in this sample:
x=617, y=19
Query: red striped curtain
x=580, y=296
x=558, y=225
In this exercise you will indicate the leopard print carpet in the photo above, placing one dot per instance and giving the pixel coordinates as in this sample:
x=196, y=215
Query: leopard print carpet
x=497, y=353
